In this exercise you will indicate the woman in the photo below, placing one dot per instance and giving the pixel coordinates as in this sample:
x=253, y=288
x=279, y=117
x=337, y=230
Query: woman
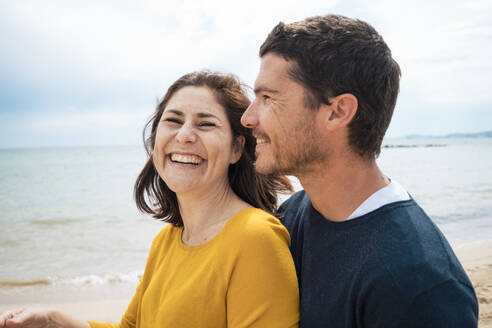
x=223, y=261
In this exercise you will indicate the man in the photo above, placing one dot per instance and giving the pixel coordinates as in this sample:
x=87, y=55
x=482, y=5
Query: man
x=366, y=254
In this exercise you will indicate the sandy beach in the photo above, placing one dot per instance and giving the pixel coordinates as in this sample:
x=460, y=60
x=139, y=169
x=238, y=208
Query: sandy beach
x=477, y=261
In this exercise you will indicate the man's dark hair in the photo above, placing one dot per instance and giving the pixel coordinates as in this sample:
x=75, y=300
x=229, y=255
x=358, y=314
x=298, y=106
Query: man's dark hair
x=151, y=193
x=332, y=55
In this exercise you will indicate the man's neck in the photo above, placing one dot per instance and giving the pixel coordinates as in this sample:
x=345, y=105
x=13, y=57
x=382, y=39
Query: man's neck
x=337, y=189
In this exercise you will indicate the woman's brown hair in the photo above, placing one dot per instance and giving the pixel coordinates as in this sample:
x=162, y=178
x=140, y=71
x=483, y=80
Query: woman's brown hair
x=151, y=193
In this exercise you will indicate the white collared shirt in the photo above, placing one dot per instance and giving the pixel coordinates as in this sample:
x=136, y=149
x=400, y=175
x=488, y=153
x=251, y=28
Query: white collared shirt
x=393, y=192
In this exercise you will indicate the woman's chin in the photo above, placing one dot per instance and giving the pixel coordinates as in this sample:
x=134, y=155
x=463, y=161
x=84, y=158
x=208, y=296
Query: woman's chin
x=180, y=189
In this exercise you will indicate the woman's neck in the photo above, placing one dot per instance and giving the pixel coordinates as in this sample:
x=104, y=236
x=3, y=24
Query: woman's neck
x=204, y=214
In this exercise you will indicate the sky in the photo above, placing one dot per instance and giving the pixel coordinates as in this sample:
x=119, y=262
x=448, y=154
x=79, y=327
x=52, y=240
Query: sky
x=76, y=73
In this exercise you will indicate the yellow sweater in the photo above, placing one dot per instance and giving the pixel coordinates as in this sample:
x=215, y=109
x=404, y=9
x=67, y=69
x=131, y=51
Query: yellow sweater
x=243, y=277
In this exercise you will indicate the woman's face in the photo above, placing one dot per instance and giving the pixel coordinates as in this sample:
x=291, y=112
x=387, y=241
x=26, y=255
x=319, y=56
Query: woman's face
x=193, y=145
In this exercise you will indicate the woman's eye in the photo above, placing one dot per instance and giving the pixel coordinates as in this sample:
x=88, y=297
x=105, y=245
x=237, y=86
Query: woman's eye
x=173, y=120
x=206, y=124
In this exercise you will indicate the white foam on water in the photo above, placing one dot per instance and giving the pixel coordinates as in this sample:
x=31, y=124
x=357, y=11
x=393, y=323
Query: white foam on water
x=83, y=280
x=93, y=279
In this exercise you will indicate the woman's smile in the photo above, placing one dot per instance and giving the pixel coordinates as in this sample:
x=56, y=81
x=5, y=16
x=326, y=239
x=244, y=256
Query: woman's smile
x=186, y=161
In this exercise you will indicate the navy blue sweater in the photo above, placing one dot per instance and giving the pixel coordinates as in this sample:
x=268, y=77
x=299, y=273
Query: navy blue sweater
x=389, y=268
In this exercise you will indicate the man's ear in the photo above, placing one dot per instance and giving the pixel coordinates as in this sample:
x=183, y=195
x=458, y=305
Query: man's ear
x=237, y=149
x=342, y=110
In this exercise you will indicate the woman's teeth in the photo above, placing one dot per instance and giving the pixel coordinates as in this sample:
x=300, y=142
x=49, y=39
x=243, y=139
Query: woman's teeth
x=186, y=159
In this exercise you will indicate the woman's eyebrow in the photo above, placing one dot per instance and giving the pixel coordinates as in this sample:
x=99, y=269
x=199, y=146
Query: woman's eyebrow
x=174, y=111
x=199, y=115
x=206, y=115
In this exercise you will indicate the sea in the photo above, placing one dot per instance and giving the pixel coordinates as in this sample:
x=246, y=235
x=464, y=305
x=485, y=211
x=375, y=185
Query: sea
x=70, y=230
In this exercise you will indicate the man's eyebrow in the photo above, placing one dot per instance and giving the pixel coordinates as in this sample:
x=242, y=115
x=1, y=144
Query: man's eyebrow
x=259, y=89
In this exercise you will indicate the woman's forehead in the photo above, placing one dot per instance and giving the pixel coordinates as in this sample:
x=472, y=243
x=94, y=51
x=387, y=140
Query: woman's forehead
x=197, y=101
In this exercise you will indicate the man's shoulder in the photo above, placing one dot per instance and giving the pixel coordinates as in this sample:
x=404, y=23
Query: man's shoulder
x=293, y=210
x=409, y=257
x=295, y=205
x=404, y=238
x=405, y=290
x=298, y=198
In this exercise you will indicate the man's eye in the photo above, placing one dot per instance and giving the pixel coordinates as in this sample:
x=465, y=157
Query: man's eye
x=266, y=97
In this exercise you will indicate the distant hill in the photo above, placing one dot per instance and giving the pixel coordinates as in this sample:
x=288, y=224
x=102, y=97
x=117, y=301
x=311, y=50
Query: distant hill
x=484, y=134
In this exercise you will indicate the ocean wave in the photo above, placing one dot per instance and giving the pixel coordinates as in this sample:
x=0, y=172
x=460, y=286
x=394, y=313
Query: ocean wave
x=84, y=280
x=50, y=222
x=471, y=215
x=24, y=283
x=94, y=279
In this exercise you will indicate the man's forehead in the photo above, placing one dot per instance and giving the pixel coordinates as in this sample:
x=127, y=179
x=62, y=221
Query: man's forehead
x=274, y=63
x=273, y=68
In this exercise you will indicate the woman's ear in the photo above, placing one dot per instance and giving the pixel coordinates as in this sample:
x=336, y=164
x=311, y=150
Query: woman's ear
x=237, y=149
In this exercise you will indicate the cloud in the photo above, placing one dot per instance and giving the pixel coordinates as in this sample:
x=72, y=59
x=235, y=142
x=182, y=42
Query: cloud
x=62, y=52
x=104, y=56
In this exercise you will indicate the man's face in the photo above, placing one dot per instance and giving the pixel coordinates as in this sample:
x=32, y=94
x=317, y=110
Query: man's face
x=285, y=129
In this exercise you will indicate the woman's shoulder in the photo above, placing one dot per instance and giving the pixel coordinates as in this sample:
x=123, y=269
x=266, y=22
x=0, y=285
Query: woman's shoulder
x=256, y=224
x=165, y=236
x=256, y=238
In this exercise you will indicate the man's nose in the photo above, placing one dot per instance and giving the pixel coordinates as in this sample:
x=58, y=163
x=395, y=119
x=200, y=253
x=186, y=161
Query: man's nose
x=250, y=117
x=186, y=134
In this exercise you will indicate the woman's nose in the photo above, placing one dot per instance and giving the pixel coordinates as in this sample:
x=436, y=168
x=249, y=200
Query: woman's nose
x=186, y=134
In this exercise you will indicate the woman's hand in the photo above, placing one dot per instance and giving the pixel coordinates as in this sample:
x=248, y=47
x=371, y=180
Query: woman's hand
x=25, y=318
x=39, y=318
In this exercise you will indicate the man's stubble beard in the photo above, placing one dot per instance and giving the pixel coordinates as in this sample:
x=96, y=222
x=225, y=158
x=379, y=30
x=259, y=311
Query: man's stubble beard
x=301, y=152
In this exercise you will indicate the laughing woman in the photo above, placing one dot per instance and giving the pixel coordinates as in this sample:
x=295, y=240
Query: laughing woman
x=222, y=261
